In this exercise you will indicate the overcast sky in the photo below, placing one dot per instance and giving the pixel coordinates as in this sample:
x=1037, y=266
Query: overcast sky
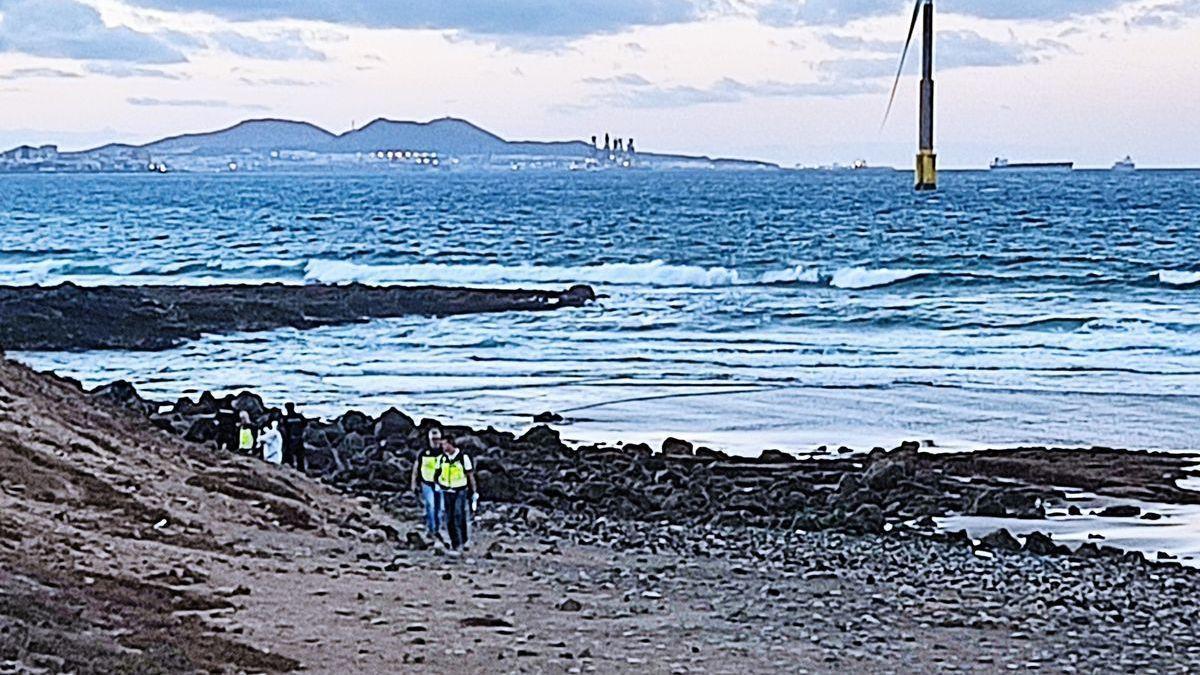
x=791, y=81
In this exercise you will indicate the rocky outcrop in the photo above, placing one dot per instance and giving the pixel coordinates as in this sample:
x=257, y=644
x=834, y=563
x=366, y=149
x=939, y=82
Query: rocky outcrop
x=680, y=484
x=73, y=318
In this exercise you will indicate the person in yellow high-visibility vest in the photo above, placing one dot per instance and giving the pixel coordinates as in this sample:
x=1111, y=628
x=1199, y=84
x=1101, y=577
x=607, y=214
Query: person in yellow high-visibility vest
x=247, y=434
x=423, y=483
x=455, y=477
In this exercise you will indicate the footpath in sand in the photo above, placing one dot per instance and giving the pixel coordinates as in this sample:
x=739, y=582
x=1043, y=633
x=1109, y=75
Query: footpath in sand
x=124, y=548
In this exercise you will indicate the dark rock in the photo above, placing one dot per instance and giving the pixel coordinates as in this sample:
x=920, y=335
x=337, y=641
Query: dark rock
x=484, y=622
x=1000, y=540
x=569, y=605
x=1121, y=511
x=709, y=453
x=866, y=519
x=987, y=504
x=577, y=295
x=123, y=394
x=675, y=446
x=393, y=423
x=541, y=436
x=250, y=403
x=357, y=422
x=547, y=417
x=776, y=457
x=1041, y=544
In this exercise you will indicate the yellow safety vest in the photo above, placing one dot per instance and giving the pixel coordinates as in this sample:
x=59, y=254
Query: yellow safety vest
x=452, y=474
x=429, y=465
x=246, y=439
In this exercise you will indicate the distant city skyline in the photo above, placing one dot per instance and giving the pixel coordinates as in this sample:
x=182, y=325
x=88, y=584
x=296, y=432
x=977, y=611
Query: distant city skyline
x=787, y=82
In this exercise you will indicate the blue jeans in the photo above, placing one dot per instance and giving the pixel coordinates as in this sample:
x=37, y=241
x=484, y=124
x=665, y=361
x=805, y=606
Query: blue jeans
x=458, y=516
x=432, y=498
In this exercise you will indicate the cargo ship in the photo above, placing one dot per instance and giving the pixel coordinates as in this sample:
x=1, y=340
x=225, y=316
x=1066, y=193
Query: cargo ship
x=1002, y=164
x=1125, y=164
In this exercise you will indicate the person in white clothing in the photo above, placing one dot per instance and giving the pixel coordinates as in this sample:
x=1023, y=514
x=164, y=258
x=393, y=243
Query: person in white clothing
x=271, y=442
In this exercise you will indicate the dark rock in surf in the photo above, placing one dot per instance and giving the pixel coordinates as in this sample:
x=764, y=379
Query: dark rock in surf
x=577, y=296
x=1121, y=511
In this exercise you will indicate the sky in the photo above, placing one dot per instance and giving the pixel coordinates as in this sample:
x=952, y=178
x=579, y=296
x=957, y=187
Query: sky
x=790, y=81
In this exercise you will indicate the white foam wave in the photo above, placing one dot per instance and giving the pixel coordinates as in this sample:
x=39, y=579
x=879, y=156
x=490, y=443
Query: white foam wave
x=656, y=273
x=200, y=272
x=1178, y=277
x=855, y=278
x=192, y=272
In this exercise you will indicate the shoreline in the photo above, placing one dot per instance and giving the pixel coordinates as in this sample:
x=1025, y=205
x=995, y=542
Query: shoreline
x=871, y=492
x=220, y=561
x=68, y=317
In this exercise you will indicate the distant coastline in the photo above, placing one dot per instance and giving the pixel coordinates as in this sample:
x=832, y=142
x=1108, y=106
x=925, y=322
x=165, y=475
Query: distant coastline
x=279, y=145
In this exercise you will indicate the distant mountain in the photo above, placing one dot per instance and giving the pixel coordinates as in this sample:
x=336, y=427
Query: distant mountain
x=256, y=144
x=447, y=135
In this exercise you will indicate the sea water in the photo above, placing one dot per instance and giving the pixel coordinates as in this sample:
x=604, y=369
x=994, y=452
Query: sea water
x=741, y=310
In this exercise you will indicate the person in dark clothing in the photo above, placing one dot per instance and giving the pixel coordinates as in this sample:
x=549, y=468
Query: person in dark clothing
x=227, y=429
x=293, y=437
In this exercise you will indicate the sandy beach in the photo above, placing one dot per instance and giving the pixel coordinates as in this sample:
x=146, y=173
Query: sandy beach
x=127, y=547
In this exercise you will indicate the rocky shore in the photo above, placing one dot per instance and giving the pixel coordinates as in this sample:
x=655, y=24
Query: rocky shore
x=74, y=318
x=588, y=559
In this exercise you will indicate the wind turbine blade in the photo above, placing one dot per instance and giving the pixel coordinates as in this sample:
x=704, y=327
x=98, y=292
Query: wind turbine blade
x=912, y=28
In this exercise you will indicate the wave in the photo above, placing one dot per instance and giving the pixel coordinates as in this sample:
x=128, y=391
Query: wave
x=656, y=273
x=858, y=278
x=1178, y=278
x=91, y=273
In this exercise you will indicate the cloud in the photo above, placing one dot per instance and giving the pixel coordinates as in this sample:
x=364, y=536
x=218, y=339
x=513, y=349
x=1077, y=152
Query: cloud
x=277, y=82
x=191, y=103
x=631, y=79
x=728, y=90
x=1165, y=15
x=955, y=49
x=124, y=70
x=286, y=47
x=840, y=12
x=28, y=73
x=533, y=18
x=854, y=43
x=73, y=30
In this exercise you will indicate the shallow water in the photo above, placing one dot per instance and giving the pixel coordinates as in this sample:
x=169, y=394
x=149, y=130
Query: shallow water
x=744, y=311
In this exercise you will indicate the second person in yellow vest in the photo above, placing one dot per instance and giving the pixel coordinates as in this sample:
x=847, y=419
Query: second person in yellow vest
x=455, y=477
x=423, y=481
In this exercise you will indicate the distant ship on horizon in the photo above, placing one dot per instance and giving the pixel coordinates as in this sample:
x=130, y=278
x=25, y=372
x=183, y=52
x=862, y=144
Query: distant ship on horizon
x=1002, y=164
x=1125, y=164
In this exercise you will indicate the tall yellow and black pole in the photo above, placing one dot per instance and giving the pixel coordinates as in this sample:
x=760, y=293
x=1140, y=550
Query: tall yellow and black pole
x=926, y=158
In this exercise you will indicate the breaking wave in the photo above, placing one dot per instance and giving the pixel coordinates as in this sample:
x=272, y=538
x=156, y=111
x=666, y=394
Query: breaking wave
x=657, y=274
x=857, y=278
x=1178, y=278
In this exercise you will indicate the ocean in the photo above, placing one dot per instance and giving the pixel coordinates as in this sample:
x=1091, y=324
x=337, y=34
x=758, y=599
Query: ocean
x=742, y=311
